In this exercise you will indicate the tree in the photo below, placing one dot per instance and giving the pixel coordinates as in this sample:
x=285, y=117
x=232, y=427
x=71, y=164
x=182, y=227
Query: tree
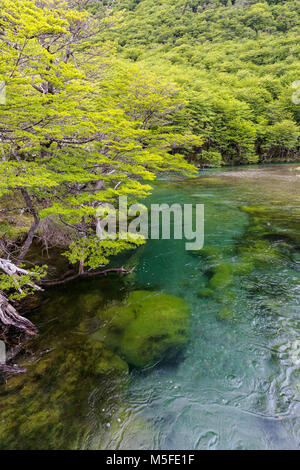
x=282, y=139
x=259, y=17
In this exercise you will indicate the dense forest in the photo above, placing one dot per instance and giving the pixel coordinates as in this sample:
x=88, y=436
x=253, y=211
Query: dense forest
x=110, y=342
x=79, y=128
x=101, y=97
x=235, y=63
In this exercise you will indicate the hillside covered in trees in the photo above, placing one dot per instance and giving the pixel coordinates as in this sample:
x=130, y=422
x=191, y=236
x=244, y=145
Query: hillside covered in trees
x=79, y=128
x=235, y=61
x=103, y=96
x=110, y=113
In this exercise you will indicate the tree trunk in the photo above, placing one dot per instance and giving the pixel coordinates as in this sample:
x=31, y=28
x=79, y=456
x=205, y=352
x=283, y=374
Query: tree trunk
x=33, y=227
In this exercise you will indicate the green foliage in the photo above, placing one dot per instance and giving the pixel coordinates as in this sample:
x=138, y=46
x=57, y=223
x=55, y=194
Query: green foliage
x=236, y=63
x=97, y=252
x=22, y=285
x=80, y=127
x=103, y=97
x=210, y=157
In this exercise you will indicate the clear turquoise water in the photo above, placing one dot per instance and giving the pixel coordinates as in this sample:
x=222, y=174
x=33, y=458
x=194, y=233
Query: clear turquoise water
x=237, y=383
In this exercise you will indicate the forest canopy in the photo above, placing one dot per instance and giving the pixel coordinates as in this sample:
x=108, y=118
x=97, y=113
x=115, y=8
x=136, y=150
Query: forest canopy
x=79, y=128
x=101, y=97
x=235, y=61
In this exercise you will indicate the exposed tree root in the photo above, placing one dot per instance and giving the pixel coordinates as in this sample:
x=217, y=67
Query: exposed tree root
x=10, y=317
x=8, y=314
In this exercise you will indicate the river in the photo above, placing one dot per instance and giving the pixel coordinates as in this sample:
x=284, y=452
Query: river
x=235, y=385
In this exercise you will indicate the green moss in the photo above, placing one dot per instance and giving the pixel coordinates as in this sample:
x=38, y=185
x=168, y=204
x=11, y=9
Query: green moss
x=221, y=277
x=15, y=229
x=210, y=253
x=256, y=210
x=205, y=292
x=226, y=314
x=44, y=408
x=243, y=268
x=260, y=252
x=90, y=302
x=13, y=224
x=273, y=221
x=145, y=327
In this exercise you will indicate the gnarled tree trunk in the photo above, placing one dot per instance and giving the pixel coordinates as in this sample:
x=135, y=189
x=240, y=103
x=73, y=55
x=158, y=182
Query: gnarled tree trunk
x=8, y=314
x=10, y=317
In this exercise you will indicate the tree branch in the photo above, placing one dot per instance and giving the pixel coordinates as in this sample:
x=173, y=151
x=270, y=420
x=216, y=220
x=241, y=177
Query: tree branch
x=64, y=279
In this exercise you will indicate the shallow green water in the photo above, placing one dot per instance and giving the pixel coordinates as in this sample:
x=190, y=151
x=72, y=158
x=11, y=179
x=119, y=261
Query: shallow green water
x=237, y=383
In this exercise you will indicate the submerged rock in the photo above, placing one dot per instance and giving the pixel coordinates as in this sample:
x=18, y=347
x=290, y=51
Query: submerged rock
x=205, y=292
x=145, y=327
x=221, y=277
x=273, y=221
x=260, y=252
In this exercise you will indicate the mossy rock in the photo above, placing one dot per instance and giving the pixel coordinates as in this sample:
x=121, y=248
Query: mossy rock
x=210, y=253
x=205, y=292
x=257, y=210
x=145, y=327
x=228, y=296
x=243, y=268
x=270, y=220
x=90, y=302
x=260, y=252
x=222, y=276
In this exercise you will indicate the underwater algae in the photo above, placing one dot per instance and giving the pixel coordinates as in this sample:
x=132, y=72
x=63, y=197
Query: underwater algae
x=145, y=327
x=240, y=368
x=45, y=408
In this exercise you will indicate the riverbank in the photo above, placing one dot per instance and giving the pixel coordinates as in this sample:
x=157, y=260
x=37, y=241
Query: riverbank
x=238, y=370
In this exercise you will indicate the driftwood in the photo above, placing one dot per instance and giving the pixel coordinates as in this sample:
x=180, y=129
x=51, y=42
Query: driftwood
x=8, y=314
